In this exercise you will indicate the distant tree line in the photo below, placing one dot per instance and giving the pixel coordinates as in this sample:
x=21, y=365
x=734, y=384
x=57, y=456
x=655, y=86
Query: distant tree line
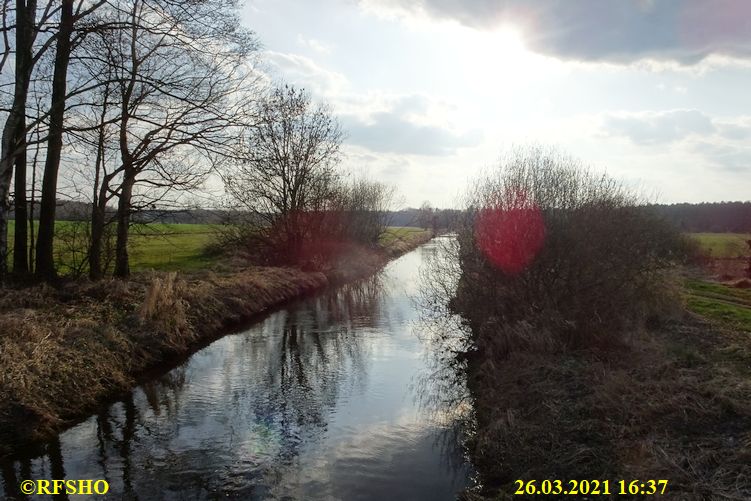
x=711, y=217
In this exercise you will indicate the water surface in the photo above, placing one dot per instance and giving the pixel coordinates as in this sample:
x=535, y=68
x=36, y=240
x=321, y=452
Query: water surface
x=318, y=401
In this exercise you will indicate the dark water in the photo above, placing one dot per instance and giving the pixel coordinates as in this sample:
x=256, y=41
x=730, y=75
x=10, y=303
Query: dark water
x=319, y=401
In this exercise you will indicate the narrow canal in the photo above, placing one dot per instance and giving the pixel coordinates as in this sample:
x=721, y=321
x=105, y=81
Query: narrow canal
x=321, y=400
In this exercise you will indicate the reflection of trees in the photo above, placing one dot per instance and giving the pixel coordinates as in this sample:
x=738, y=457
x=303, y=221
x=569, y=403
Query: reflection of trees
x=163, y=393
x=441, y=389
x=445, y=334
x=12, y=478
x=358, y=304
x=57, y=469
x=247, y=403
x=314, y=352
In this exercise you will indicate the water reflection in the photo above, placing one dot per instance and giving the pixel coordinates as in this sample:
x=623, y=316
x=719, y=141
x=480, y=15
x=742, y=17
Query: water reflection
x=441, y=388
x=314, y=403
x=446, y=336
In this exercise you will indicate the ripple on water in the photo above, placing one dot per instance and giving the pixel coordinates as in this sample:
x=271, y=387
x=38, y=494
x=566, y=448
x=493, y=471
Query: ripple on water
x=315, y=402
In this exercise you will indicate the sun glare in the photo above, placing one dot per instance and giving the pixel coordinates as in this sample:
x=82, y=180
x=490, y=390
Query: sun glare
x=500, y=55
x=507, y=40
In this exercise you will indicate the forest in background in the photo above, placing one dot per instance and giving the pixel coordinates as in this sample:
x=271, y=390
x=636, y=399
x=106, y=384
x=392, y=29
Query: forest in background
x=714, y=217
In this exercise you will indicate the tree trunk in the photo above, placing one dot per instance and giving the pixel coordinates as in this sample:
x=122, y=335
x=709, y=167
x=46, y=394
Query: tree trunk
x=45, y=264
x=15, y=123
x=4, y=211
x=98, y=215
x=32, y=205
x=99, y=203
x=21, y=236
x=95, y=249
x=122, y=265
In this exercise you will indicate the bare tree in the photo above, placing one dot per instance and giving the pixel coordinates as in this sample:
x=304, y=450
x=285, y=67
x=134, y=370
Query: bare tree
x=364, y=211
x=45, y=261
x=25, y=33
x=37, y=29
x=14, y=132
x=5, y=30
x=426, y=216
x=289, y=173
x=182, y=82
x=163, y=82
x=553, y=254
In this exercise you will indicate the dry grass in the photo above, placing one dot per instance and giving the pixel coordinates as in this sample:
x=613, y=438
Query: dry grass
x=400, y=242
x=674, y=405
x=67, y=350
x=63, y=351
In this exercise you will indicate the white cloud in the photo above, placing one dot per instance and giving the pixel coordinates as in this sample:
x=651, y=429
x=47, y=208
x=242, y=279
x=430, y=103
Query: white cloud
x=655, y=127
x=619, y=31
x=738, y=129
x=411, y=124
x=391, y=132
x=304, y=72
x=729, y=156
x=718, y=142
x=314, y=44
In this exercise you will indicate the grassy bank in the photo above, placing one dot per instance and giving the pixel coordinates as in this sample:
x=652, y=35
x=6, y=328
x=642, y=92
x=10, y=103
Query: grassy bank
x=726, y=305
x=671, y=403
x=65, y=351
x=585, y=360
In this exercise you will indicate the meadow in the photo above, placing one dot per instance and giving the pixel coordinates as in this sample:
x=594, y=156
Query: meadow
x=721, y=302
x=723, y=245
x=181, y=247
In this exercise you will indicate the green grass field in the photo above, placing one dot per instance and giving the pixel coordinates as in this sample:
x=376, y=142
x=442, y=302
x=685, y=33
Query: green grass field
x=727, y=305
x=398, y=232
x=721, y=245
x=158, y=246
x=172, y=247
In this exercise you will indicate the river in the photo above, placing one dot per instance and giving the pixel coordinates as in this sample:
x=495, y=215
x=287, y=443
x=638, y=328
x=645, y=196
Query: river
x=321, y=400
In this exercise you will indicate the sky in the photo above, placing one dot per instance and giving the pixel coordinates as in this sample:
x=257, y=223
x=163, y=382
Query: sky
x=432, y=93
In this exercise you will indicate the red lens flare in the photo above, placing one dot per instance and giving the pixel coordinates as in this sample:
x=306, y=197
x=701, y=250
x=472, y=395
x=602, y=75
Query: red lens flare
x=511, y=236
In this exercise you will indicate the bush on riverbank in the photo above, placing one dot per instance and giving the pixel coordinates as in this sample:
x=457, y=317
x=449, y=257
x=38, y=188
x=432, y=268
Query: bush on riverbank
x=553, y=256
x=581, y=363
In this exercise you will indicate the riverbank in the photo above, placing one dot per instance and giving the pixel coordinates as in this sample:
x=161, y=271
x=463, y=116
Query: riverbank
x=672, y=403
x=66, y=351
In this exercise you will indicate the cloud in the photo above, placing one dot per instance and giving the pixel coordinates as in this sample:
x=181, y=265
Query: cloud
x=737, y=130
x=412, y=125
x=391, y=133
x=304, y=72
x=314, y=44
x=721, y=143
x=732, y=157
x=619, y=31
x=407, y=124
x=658, y=127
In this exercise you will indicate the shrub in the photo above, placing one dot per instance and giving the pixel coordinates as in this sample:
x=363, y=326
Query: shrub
x=553, y=255
x=164, y=307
